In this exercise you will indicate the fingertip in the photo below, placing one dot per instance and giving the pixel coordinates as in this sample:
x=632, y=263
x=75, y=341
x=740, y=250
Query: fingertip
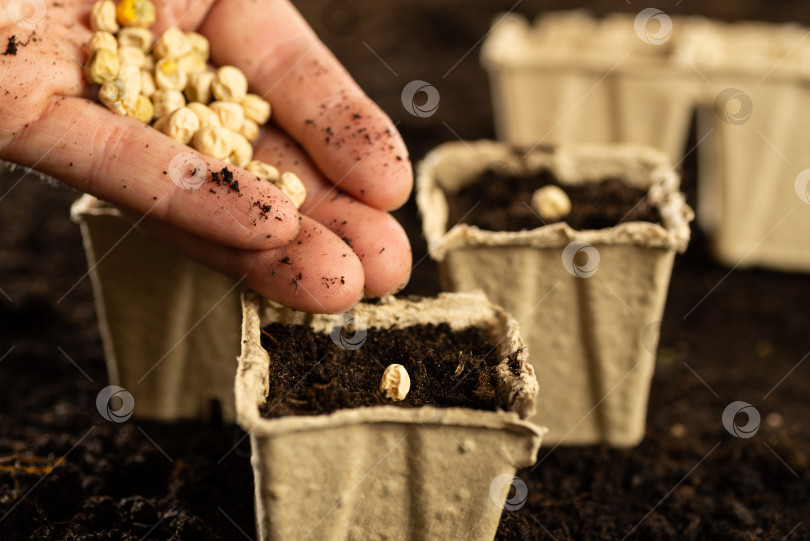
x=393, y=187
x=388, y=264
x=317, y=273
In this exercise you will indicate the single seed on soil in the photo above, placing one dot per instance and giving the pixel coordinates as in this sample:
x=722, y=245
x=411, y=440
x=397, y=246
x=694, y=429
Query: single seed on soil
x=395, y=382
x=551, y=203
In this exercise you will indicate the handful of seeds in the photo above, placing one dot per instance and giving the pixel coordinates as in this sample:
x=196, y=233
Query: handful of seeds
x=167, y=82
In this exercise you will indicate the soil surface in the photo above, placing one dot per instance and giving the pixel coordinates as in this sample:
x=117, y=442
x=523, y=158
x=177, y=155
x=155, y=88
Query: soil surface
x=447, y=368
x=727, y=335
x=502, y=202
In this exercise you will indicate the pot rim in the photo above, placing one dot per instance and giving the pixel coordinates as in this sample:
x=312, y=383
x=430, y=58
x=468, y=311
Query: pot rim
x=637, y=165
x=253, y=373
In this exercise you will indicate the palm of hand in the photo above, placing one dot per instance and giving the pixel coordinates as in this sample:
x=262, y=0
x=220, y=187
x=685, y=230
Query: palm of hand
x=324, y=128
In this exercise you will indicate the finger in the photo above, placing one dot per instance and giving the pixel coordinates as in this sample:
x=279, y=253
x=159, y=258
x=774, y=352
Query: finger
x=315, y=273
x=375, y=236
x=314, y=99
x=122, y=161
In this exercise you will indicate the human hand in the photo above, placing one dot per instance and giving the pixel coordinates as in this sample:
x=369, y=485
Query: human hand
x=49, y=123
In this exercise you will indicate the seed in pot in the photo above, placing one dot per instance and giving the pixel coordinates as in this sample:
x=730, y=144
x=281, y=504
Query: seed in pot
x=230, y=114
x=551, y=203
x=112, y=94
x=256, y=108
x=102, y=65
x=182, y=125
x=169, y=75
x=213, y=141
x=139, y=13
x=249, y=129
x=395, y=382
x=199, y=44
x=263, y=170
x=198, y=87
x=291, y=185
x=229, y=84
x=131, y=55
x=147, y=84
x=142, y=38
x=101, y=40
x=167, y=102
x=102, y=17
x=204, y=113
x=172, y=44
x=241, y=150
x=143, y=110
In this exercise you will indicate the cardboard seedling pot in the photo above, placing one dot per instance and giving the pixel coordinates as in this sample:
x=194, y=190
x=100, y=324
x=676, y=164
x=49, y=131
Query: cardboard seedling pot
x=754, y=186
x=591, y=325
x=169, y=325
x=571, y=78
x=386, y=472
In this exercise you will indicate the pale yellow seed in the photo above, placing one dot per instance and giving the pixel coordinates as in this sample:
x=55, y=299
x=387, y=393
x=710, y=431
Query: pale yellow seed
x=148, y=62
x=136, y=13
x=147, y=83
x=213, y=141
x=112, y=94
x=192, y=63
x=169, y=75
x=131, y=76
x=291, y=185
x=143, y=110
x=231, y=114
x=204, y=113
x=131, y=55
x=101, y=40
x=263, y=170
x=229, y=84
x=199, y=44
x=172, y=44
x=102, y=17
x=133, y=36
x=256, y=108
x=198, y=87
x=551, y=203
x=160, y=123
x=182, y=125
x=395, y=382
x=102, y=65
x=249, y=129
x=241, y=150
x=167, y=102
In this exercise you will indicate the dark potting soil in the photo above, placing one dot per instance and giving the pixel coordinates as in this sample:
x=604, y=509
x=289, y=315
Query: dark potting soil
x=502, y=202
x=310, y=373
